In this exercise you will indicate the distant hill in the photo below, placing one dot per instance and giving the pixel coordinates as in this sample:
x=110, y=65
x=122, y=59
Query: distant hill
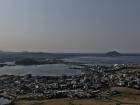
x=113, y=53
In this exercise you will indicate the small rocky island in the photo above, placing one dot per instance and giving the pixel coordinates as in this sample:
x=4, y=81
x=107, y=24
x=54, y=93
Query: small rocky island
x=113, y=53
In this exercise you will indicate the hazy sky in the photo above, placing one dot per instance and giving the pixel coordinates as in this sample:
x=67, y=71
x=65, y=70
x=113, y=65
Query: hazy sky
x=70, y=25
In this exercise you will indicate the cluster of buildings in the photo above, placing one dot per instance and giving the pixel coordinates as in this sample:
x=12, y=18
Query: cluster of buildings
x=51, y=87
x=95, y=81
x=126, y=75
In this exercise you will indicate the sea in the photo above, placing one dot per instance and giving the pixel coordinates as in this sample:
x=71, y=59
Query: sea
x=63, y=69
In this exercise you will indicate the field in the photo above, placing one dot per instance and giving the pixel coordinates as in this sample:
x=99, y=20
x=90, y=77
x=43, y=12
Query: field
x=65, y=102
x=128, y=96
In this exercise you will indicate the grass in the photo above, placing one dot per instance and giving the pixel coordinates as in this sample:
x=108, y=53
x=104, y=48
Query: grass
x=64, y=102
x=127, y=94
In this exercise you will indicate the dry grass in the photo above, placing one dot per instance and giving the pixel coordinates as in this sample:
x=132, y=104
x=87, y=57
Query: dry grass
x=65, y=102
x=127, y=94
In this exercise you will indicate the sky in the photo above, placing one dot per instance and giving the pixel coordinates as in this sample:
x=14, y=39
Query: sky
x=70, y=25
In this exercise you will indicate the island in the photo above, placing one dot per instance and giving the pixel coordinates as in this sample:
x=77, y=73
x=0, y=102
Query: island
x=113, y=53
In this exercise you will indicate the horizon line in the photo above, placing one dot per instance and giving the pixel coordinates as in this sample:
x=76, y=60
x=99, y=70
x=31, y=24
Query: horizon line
x=69, y=52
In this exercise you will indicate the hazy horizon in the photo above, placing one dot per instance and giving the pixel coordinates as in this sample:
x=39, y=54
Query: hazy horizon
x=70, y=26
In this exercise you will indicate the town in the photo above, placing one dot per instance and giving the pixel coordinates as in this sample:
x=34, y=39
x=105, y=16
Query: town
x=95, y=81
